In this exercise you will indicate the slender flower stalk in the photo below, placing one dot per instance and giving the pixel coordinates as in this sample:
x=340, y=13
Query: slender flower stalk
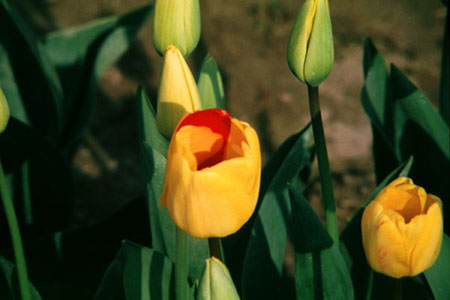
x=398, y=289
x=16, y=239
x=324, y=165
x=181, y=266
x=215, y=248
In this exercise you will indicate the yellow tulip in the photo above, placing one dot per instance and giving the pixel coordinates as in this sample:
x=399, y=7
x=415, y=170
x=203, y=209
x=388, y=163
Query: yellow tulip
x=213, y=173
x=177, y=92
x=4, y=111
x=402, y=229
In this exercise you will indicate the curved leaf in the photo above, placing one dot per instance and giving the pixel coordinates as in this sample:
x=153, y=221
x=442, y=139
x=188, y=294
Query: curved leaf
x=82, y=54
x=9, y=288
x=264, y=256
x=210, y=85
x=30, y=82
x=438, y=276
x=33, y=161
x=138, y=272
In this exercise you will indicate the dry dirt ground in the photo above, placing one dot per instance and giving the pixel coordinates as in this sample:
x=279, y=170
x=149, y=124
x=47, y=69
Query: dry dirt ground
x=248, y=38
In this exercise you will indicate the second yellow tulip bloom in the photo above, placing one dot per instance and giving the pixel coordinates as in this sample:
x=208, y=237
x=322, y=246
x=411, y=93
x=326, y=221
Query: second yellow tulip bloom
x=402, y=229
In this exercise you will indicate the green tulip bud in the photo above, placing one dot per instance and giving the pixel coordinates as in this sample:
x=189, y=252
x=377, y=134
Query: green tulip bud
x=176, y=22
x=310, y=49
x=4, y=111
x=216, y=283
x=177, y=92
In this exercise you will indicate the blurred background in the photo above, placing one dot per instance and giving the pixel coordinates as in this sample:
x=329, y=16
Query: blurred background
x=248, y=39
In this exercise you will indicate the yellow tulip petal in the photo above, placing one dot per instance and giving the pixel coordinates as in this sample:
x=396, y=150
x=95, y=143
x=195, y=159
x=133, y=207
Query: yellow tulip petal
x=389, y=258
x=425, y=232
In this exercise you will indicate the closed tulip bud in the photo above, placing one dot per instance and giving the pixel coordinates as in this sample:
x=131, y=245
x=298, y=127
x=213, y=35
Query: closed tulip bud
x=177, y=92
x=212, y=175
x=310, y=49
x=176, y=22
x=402, y=229
x=4, y=111
x=216, y=283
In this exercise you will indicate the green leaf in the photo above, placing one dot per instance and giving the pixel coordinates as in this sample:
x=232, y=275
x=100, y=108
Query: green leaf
x=444, y=102
x=70, y=264
x=210, y=84
x=138, y=272
x=438, y=276
x=29, y=80
x=148, y=131
x=162, y=227
x=9, y=288
x=320, y=269
x=154, y=148
x=420, y=132
x=82, y=54
x=351, y=240
x=264, y=256
x=32, y=161
x=374, y=97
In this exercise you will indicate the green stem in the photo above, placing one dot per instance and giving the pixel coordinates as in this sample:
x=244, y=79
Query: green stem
x=16, y=239
x=26, y=193
x=215, y=248
x=369, y=285
x=398, y=289
x=324, y=165
x=181, y=266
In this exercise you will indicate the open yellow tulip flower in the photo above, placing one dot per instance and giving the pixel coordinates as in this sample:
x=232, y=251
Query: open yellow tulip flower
x=402, y=229
x=213, y=174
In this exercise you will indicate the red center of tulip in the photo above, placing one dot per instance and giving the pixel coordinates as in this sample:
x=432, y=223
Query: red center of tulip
x=219, y=122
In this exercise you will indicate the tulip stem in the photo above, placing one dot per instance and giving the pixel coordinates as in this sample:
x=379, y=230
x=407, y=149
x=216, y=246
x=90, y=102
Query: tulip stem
x=324, y=165
x=181, y=266
x=398, y=289
x=16, y=239
x=369, y=286
x=215, y=248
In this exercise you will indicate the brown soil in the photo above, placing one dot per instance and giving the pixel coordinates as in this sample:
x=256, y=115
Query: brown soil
x=248, y=38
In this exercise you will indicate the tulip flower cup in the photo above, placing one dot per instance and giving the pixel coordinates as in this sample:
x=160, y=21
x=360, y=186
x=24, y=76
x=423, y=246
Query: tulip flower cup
x=402, y=229
x=213, y=174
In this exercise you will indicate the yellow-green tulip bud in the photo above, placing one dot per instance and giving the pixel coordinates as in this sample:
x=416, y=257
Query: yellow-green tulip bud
x=4, y=111
x=176, y=22
x=402, y=229
x=310, y=49
x=216, y=283
x=177, y=92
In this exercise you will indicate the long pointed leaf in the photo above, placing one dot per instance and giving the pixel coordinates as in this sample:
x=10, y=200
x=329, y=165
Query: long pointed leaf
x=82, y=54
x=264, y=256
x=320, y=270
x=438, y=276
x=31, y=83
